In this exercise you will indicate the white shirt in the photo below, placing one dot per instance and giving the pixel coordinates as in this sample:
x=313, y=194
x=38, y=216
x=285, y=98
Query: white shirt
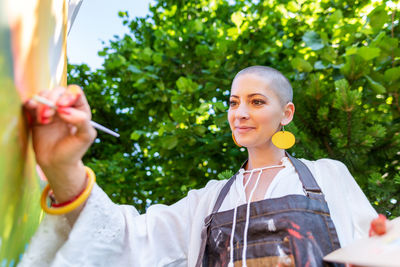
x=107, y=234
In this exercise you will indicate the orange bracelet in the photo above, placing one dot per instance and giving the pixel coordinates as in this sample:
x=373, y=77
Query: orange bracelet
x=59, y=205
x=70, y=205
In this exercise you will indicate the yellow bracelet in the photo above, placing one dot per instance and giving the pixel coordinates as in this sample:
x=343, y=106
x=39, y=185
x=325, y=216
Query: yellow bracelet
x=74, y=204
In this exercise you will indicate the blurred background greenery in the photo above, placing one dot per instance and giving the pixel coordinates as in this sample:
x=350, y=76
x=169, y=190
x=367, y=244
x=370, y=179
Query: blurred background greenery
x=164, y=87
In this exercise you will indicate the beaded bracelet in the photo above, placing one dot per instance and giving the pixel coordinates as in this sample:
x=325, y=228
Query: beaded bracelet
x=70, y=205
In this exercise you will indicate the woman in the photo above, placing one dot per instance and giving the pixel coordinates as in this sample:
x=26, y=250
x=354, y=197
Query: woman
x=289, y=220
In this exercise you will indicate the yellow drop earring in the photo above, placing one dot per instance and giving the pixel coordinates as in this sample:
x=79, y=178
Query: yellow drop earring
x=234, y=140
x=283, y=139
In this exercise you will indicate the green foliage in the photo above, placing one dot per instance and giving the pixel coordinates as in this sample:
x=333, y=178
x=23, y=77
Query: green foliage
x=225, y=175
x=165, y=87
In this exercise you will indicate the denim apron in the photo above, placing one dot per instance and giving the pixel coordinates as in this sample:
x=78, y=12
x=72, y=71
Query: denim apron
x=293, y=230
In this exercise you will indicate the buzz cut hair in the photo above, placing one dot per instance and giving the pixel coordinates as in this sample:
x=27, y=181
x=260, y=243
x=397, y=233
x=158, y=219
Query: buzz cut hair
x=276, y=81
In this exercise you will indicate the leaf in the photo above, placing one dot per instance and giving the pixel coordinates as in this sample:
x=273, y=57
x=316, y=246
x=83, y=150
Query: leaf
x=198, y=25
x=339, y=137
x=220, y=106
x=186, y=85
x=201, y=50
x=225, y=175
x=220, y=120
x=354, y=67
x=237, y=18
x=323, y=113
x=378, y=17
x=233, y=32
x=288, y=43
x=137, y=134
x=336, y=16
x=368, y=53
x=179, y=114
x=378, y=39
x=140, y=82
x=301, y=65
x=134, y=69
x=204, y=107
x=377, y=87
x=147, y=54
x=377, y=130
x=313, y=40
x=351, y=50
x=345, y=99
x=318, y=65
x=397, y=179
x=342, y=84
x=123, y=14
x=158, y=58
x=328, y=54
x=169, y=142
x=392, y=75
x=199, y=130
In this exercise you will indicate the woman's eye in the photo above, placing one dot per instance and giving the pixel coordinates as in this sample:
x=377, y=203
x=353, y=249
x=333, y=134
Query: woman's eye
x=232, y=103
x=258, y=102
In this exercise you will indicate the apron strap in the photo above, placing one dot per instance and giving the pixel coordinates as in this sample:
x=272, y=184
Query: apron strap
x=223, y=193
x=310, y=186
x=204, y=235
x=207, y=221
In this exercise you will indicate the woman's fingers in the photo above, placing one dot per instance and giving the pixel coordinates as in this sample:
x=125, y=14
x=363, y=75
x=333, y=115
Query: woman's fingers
x=378, y=226
x=80, y=101
x=63, y=98
x=81, y=120
x=44, y=113
x=29, y=109
x=74, y=97
x=74, y=109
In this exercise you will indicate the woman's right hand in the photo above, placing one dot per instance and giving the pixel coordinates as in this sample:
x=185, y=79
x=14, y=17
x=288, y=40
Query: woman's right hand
x=61, y=137
x=378, y=226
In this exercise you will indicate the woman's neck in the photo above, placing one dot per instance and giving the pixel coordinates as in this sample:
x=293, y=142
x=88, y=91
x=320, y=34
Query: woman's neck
x=264, y=156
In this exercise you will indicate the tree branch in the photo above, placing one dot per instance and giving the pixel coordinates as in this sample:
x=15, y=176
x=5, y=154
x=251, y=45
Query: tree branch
x=348, y=128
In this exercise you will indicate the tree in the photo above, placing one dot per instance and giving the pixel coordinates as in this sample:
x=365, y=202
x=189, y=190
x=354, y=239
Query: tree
x=165, y=87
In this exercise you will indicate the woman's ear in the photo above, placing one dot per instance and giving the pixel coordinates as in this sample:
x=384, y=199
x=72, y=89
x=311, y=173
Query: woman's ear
x=288, y=113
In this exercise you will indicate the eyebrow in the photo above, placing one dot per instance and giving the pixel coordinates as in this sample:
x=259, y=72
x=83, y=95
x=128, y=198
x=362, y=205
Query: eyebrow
x=251, y=95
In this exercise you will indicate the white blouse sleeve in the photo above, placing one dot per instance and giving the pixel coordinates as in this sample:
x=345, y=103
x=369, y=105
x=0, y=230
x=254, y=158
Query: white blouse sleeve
x=107, y=234
x=350, y=209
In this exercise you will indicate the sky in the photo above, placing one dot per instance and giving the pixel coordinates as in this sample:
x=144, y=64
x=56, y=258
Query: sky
x=98, y=21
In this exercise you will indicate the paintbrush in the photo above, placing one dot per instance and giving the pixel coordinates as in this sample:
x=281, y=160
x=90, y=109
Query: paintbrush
x=100, y=127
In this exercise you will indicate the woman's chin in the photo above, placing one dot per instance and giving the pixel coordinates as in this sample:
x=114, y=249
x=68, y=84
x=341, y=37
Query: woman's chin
x=247, y=144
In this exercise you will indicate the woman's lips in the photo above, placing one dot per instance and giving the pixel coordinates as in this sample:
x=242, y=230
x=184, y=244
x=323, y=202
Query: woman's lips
x=244, y=129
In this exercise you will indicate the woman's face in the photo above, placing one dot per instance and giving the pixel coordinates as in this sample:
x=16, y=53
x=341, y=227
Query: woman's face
x=255, y=111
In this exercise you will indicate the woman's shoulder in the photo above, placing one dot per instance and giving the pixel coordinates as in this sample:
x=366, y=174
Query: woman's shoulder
x=325, y=164
x=212, y=188
x=327, y=171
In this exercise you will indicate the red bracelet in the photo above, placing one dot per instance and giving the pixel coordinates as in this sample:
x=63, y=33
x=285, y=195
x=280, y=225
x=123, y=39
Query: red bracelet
x=58, y=205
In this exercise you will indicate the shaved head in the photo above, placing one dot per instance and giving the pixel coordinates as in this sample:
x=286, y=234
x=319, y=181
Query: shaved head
x=275, y=79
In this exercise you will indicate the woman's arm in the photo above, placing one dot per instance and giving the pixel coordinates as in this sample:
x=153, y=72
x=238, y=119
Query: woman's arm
x=60, y=139
x=107, y=234
x=101, y=233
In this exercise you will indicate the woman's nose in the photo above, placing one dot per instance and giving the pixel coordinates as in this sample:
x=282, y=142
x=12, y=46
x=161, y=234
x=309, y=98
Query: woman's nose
x=242, y=112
